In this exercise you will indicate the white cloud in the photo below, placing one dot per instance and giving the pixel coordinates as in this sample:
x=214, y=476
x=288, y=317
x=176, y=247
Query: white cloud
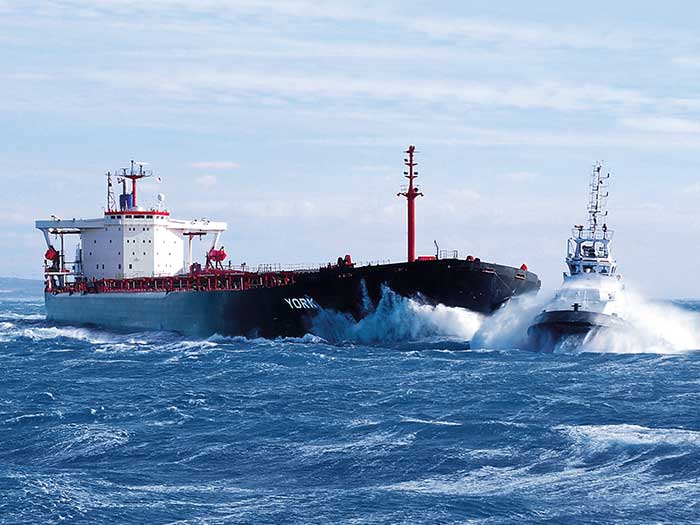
x=215, y=14
x=475, y=29
x=209, y=86
x=206, y=182
x=465, y=195
x=692, y=188
x=663, y=124
x=546, y=36
x=521, y=176
x=688, y=61
x=14, y=216
x=215, y=165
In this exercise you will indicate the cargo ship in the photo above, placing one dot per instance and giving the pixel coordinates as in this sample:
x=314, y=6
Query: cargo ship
x=133, y=270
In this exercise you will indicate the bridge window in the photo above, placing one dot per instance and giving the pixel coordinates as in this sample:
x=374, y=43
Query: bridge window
x=130, y=267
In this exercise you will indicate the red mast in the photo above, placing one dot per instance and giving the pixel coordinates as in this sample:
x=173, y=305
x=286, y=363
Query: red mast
x=411, y=193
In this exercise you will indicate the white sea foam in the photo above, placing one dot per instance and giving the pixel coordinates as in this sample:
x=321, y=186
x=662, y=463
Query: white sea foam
x=600, y=437
x=431, y=422
x=374, y=442
x=55, y=332
x=655, y=327
x=14, y=316
x=617, y=482
x=397, y=319
x=17, y=419
x=661, y=327
x=507, y=327
x=83, y=440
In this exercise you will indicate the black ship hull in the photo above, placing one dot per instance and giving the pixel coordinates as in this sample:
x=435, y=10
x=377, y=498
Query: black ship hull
x=289, y=310
x=550, y=329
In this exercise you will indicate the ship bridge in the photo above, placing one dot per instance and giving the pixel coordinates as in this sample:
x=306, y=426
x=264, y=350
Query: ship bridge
x=128, y=241
x=588, y=250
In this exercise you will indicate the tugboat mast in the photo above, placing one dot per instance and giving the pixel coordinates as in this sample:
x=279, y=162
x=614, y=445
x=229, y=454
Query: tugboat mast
x=598, y=198
x=588, y=248
x=411, y=192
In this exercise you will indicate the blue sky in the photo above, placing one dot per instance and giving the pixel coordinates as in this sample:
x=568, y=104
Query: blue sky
x=288, y=121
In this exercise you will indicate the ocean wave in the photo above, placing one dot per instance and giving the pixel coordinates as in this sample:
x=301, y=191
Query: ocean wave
x=601, y=437
x=262, y=341
x=20, y=316
x=397, y=319
x=375, y=442
x=74, y=441
x=431, y=422
x=39, y=333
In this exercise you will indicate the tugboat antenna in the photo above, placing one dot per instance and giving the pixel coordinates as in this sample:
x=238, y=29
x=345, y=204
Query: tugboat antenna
x=597, y=205
x=411, y=192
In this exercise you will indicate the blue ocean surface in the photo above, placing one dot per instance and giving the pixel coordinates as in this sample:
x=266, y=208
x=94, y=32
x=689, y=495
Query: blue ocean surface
x=103, y=427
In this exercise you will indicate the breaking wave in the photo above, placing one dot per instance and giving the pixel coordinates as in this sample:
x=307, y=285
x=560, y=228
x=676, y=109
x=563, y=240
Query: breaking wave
x=397, y=319
x=598, y=438
x=655, y=327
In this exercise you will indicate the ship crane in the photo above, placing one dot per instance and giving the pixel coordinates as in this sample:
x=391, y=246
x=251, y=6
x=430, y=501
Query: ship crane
x=411, y=193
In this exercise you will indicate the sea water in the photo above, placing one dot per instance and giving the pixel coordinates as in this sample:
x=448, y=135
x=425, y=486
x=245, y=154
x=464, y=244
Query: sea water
x=396, y=419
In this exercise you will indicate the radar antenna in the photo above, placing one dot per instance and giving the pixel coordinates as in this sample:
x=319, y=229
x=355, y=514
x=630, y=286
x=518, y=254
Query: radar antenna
x=134, y=173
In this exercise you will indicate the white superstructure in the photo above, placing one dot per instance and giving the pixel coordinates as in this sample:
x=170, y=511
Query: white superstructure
x=128, y=242
x=592, y=283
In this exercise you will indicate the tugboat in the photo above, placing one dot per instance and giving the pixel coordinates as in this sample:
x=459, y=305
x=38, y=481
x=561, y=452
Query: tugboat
x=591, y=299
x=134, y=270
